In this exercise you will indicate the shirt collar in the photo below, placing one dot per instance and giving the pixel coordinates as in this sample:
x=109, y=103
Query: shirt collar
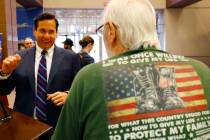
x=49, y=51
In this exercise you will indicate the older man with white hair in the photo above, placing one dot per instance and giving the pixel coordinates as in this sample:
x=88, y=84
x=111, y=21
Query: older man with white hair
x=28, y=42
x=140, y=92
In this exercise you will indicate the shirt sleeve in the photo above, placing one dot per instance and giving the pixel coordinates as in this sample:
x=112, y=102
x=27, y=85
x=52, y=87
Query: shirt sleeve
x=67, y=126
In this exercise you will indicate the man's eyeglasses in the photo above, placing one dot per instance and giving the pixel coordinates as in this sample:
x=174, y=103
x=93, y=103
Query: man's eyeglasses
x=99, y=29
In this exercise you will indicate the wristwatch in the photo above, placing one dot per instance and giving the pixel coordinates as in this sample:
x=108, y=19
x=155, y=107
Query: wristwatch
x=2, y=74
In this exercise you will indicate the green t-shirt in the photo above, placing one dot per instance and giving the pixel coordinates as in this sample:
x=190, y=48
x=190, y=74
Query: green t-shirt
x=141, y=94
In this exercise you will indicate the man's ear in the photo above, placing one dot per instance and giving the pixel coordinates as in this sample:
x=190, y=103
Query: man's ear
x=111, y=32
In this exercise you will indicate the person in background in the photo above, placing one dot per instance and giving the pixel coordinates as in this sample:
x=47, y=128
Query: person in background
x=28, y=42
x=140, y=92
x=87, y=44
x=41, y=75
x=21, y=46
x=68, y=43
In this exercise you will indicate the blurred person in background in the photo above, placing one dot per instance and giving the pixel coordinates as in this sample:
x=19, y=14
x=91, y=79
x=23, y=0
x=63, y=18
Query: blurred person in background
x=68, y=43
x=21, y=46
x=28, y=42
x=87, y=44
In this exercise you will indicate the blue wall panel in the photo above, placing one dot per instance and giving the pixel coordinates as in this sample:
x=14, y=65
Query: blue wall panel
x=25, y=21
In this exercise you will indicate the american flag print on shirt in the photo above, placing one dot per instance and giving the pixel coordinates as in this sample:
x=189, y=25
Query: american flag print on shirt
x=127, y=89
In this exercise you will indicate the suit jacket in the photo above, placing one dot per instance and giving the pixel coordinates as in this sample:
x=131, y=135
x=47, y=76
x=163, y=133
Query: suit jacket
x=64, y=67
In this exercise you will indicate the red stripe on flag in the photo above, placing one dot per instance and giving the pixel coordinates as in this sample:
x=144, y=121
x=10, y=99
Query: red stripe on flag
x=189, y=88
x=122, y=107
x=157, y=114
x=185, y=70
x=185, y=79
x=193, y=98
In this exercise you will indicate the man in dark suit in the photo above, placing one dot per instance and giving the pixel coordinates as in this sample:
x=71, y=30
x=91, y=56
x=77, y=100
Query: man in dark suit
x=21, y=72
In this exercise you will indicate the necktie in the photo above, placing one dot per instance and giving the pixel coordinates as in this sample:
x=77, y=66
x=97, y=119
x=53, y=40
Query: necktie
x=41, y=88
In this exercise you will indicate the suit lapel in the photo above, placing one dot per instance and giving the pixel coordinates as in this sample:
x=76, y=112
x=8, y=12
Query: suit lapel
x=56, y=61
x=31, y=66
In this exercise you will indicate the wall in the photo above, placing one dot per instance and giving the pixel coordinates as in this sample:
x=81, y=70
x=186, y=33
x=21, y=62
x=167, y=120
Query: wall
x=158, y=4
x=25, y=21
x=73, y=3
x=187, y=31
x=88, y=3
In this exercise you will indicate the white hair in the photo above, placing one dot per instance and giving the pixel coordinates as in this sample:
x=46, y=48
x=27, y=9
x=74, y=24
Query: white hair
x=135, y=21
x=28, y=38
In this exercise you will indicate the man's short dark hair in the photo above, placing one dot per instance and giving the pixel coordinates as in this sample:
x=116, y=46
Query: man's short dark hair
x=45, y=16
